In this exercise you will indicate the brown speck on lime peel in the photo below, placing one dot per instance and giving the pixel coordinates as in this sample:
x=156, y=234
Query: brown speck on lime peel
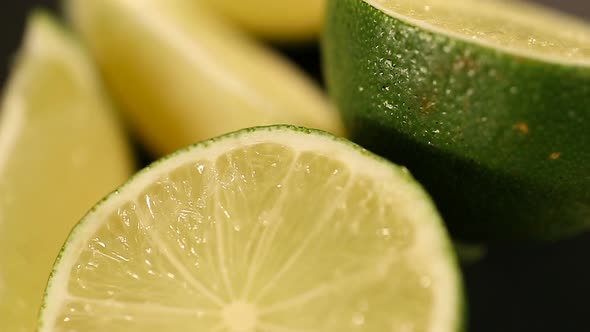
x=522, y=127
x=555, y=156
x=427, y=105
x=465, y=63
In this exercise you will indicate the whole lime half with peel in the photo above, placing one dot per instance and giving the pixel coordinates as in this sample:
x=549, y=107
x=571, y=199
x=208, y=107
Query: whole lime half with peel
x=487, y=102
x=266, y=229
x=61, y=149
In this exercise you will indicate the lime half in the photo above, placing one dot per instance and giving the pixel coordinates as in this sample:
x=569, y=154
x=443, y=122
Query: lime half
x=61, y=149
x=267, y=229
x=486, y=101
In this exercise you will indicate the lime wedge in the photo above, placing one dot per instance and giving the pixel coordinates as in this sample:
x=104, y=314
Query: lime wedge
x=182, y=76
x=485, y=101
x=285, y=21
x=267, y=229
x=61, y=149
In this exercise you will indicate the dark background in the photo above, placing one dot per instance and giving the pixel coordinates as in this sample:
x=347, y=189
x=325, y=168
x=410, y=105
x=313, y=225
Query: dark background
x=524, y=287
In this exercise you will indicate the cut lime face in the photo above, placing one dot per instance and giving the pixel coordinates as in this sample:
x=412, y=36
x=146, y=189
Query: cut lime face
x=61, y=149
x=266, y=229
x=182, y=76
x=515, y=26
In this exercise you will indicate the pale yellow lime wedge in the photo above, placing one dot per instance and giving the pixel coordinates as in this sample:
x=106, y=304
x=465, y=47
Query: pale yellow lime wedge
x=61, y=149
x=182, y=76
x=274, y=229
x=285, y=21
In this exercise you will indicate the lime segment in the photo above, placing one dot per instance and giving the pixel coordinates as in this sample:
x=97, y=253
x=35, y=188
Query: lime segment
x=183, y=76
x=285, y=21
x=61, y=149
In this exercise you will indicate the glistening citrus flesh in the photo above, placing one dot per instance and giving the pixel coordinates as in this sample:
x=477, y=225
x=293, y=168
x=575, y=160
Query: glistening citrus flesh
x=182, y=76
x=485, y=101
x=514, y=26
x=267, y=229
x=61, y=149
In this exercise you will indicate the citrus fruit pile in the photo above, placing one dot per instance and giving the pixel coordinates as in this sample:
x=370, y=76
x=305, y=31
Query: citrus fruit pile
x=266, y=210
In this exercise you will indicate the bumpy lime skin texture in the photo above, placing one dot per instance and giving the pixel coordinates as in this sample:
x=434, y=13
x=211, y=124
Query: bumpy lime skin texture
x=502, y=142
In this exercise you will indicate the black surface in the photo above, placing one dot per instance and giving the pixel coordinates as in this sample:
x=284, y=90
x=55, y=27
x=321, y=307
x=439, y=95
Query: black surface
x=525, y=287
